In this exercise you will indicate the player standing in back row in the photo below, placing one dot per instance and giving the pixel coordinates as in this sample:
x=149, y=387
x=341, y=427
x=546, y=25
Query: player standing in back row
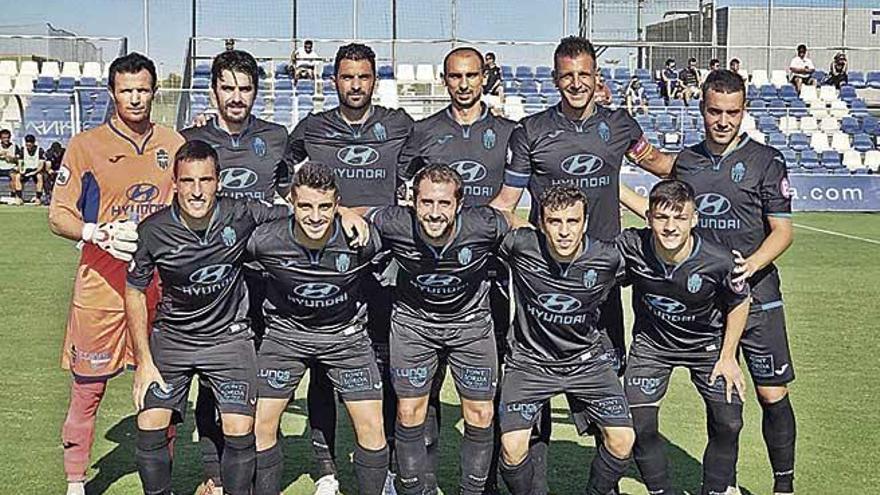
x=472, y=141
x=118, y=171
x=361, y=143
x=251, y=152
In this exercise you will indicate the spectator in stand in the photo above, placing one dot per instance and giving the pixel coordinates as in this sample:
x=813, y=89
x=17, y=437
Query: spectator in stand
x=801, y=69
x=230, y=44
x=671, y=87
x=304, y=60
x=837, y=76
x=689, y=78
x=714, y=65
x=10, y=153
x=53, y=157
x=635, y=97
x=32, y=167
x=603, y=95
x=736, y=67
x=493, y=89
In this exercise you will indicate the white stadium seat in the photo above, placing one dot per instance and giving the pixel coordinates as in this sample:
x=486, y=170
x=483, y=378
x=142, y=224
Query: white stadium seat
x=828, y=93
x=809, y=93
x=872, y=160
x=51, y=69
x=92, y=69
x=425, y=73
x=748, y=123
x=105, y=74
x=818, y=109
x=778, y=78
x=829, y=125
x=852, y=159
x=5, y=84
x=809, y=124
x=29, y=68
x=840, y=141
x=11, y=113
x=70, y=69
x=839, y=109
x=819, y=142
x=759, y=78
x=788, y=124
x=405, y=73
x=8, y=68
x=756, y=135
x=23, y=84
x=387, y=92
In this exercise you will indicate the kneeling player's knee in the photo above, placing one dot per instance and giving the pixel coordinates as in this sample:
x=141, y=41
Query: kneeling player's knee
x=514, y=447
x=266, y=433
x=371, y=434
x=237, y=425
x=771, y=395
x=619, y=441
x=411, y=412
x=478, y=413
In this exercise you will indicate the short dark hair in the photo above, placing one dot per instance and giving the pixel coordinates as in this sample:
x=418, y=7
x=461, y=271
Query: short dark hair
x=670, y=61
x=734, y=60
x=315, y=175
x=572, y=46
x=464, y=49
x=5, y=132
x=802, y=47
x=561, y=196
x=30, y=138
x=235, y=61
x=355, y=52
x=490, y=54
x=439, y=174
x=692, y=59
x=308, y=42
x=670, y=193
x=131, y=64
x=714, y=61
x=724, y=81
x=196, y=150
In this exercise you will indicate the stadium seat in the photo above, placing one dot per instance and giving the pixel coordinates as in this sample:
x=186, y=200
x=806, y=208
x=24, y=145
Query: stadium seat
x=768, y=92
x=92, y=69
x=327, y=72
x=819, y=142
x=788, y=124
x=831, y=159
x=425, y=73
x=757, y=108
x=533, y=104
x=201, y=83
x=777, y=140
x=88, y=82
x=29, y=68
x=850, y=125
x=862, y=143
x=809, y=159
x=523, y=73
x=790, y=158
x=656, y=104
x=840, y=142
x=8, y=68
x=66, y=84
x=819, y=75
x=778, y=78
x=809, y=124
x=799, y=141
x=848, y=93
x=767, y=123
x=818, y=109
x=305, y=87
x=872, y=80
x=752, y=93
x=757, y=136
x=872, y=160
x=45, y=84
x=856, y=79
x=858, y=108
x=797, y=108
x=788, y=93
x=506, y=72
x=871, y=125
x=809, y=93
x=384, y=72
x=543, y=72
x=665, y=123
x=838, y=109
x=748, y=123
x=71, y=69
x=51, y=69
x=777, y=108
x=622, y=74
x=644, y=75
x=528, y=87
x=5, y=84
x=405, y=73
x=852, y=160
x=829, y=125
x=759, y=78
x=827, y=93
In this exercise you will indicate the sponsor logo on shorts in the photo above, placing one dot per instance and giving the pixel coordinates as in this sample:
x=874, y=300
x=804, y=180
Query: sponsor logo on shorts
x=526, y=410
x=277, y=379
x=476, y=378
x=97, y=360
x=356, y=380
x=604, y=132
x=695, y=282
x=738, y=172
x=761, y=365
x=259, y=146
x=233, y=392
x=157, y=391
x=465, y=255
x=379, y=132
x=228, y=236
x=648, y=385
x=612, y=407
x=590, y=278
x=489, y=139
x=417, y=376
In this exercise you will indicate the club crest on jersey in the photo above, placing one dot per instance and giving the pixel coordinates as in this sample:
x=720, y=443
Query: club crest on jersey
x=604, y=132
x=465, y=255
x=343, y=261
x=259, y=146
x=695, y=281
x=590, y=278
x=489, y=139
x=379, y=132
x=228, y=236
x=738, y=172
x=162, y=159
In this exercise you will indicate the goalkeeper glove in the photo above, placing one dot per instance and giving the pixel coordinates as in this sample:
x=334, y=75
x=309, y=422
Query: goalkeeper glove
x=118, y=238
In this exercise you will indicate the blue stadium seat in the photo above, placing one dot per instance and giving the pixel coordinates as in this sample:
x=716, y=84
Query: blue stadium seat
x=328, y=88
x=533, y=104
x=657, y=103
x=653, y=138
x=66, y=84
x=799, y=141
x=809, y=159
x=524, y=72
x=688, y=123
x=861, y=171
x=88, y=82
x=201, y=83
x=850, y=125
x=606, y=73
x=777, y=108
x=506, y=72
x=553, y=99
x=757, y=108
x=819, y=75
x=871, y=125
x=862, y=143
x=644, y=75
x=752, y=93
x=768, y=92
x=331, y=101
x=304, y=86
x=327, y=71
x=665, y=123
x=788, y=93
x=284, y=84
x=777, y=140
x=797, y=108
x=767, y=124
x=691, y=138
x=384, y=72
x=622, y=74
x=848, y=93
x=543, y=72
x=856, y=79
x=858, y=108
x=547, y=88
x=797, y=171
x=305, y=101
x=202, y=70
x=44, y=84
x=645, y=122
x=872, y=80
x=790, y=158
x=831, y=159
x=528, y=87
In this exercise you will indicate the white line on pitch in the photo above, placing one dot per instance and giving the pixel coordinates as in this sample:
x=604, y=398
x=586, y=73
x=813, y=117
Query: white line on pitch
x=838, y=234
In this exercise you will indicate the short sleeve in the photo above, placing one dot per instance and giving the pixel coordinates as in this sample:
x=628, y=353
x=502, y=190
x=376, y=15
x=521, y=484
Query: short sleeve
x=142, y=267
x=518, y=169
x=264, y=212
x=284, y=170
x=502, y=227
x=775, y=188
x=507, y=248
x=732, y=294
x=410, y=158
x=296, y=144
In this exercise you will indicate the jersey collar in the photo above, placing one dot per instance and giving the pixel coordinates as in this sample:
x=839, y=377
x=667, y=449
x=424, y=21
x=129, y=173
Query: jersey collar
x=422, y=237
x=578, y=125
x=703, y=149
x=356, y=130
x=234, y=138
x=315, y=255
x=175, y=214
x=669, y=270
x=120, y=131
x=548, y=255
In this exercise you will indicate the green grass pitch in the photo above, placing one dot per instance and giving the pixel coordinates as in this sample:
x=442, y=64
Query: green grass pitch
x=830, y=287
